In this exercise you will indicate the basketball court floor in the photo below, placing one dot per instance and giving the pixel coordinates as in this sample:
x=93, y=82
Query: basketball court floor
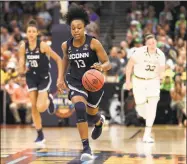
x=117, y=145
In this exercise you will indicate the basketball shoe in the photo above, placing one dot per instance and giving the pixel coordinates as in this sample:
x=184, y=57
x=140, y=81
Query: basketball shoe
x=40, y=138
x=51, y=109
x=98, y=129
x=148, y=139
x=86, y=154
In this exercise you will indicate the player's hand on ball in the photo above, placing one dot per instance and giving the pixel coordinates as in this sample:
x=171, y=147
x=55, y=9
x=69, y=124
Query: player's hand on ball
x=97, y=66
x=128, y=86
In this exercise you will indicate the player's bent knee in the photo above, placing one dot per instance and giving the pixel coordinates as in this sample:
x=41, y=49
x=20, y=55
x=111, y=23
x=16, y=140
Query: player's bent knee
x=41, y=107
x=94, y=118
x=92, y=111
x=80, y=109
x=141, y=109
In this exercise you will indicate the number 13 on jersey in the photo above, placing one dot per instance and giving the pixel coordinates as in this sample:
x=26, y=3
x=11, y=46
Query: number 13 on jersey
x=80, y=63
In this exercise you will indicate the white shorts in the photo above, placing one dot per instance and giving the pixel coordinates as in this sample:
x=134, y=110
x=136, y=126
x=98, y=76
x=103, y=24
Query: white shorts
x=144, y=89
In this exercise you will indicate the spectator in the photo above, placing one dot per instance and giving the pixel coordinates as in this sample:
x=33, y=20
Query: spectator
x=178, y=94
x=4, y=35
x=20, y=99
x=93, y=30
x=181, y=20
x=171, y=51
x=168, y=31
x=4, y=76
x=151, y=18
x=115, y=61
x=92, y=14
x=181, y=33
x=44, y=14
x=165, y=16
x=162, y=36
x=183, y=11
x=133, y=32
x=148, y=27
x=18, y=35
x=167, y=84
x=122, y=54
x=181, y=48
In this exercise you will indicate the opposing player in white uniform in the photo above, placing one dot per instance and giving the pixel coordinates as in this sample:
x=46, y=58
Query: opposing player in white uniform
x=147, y=65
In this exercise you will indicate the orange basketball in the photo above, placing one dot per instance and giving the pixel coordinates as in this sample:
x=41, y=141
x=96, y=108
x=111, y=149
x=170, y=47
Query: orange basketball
x=93, y=80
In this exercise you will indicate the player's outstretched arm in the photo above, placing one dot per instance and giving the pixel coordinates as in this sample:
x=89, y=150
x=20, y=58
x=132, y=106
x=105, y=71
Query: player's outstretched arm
x=22, y=68
x=102, y=55
x=47, y=49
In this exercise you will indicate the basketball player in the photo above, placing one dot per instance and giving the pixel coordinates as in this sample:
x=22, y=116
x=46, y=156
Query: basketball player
x=147, y=64
x=81, y=53
x=37, y=55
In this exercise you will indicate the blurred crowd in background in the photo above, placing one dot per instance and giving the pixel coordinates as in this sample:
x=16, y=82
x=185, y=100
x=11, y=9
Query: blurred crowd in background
x=168, y=27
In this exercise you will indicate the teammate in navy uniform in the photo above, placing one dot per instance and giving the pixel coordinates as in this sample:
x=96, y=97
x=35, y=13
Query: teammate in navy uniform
x=37, y=54
x=81, y=53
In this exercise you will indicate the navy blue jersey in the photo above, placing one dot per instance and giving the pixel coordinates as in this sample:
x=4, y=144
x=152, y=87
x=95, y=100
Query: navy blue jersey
x=81, y=58
x=37, y=61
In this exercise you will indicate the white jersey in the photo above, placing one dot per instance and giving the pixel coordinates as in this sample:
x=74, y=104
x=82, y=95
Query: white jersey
x=146, y=65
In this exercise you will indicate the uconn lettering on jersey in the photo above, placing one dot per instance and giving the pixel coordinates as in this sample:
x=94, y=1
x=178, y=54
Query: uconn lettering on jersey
x=79, y=55
x=33, y=56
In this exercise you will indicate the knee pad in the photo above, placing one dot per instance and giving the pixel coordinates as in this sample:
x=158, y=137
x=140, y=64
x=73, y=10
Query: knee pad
x=80, y=109
x=93, y=118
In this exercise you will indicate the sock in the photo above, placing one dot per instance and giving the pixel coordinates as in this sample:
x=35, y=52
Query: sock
x=147, y=131
x=40, y=133
x=85, y=143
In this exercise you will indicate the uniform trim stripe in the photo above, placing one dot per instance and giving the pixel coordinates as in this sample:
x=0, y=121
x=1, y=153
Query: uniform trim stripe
x=96, y=105
x=48, y=86
x=75, y=89
x=32, y=89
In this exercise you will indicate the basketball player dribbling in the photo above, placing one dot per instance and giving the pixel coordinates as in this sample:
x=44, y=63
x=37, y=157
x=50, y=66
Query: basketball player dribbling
x=38, y=78
x=147, y=63
x=81, y=53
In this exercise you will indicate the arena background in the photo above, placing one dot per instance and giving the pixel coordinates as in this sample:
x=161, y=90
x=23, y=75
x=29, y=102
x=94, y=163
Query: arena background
x=120, y=27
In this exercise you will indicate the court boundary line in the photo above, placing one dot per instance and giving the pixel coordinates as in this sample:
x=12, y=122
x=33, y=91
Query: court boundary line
x=135, y=134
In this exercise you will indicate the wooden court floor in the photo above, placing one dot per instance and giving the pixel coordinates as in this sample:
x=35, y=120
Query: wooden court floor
x=117, y=145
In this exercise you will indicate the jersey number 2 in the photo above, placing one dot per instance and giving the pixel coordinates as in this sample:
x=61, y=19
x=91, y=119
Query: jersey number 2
x=33, y=63
x=80, y=63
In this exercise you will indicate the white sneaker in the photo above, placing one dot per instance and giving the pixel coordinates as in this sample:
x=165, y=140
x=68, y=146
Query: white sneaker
x=148, y=139
x=86, y=155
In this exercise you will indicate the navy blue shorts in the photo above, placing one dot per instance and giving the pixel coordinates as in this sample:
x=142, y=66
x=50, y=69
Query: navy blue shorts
x=39, y=82
x=77, y=89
